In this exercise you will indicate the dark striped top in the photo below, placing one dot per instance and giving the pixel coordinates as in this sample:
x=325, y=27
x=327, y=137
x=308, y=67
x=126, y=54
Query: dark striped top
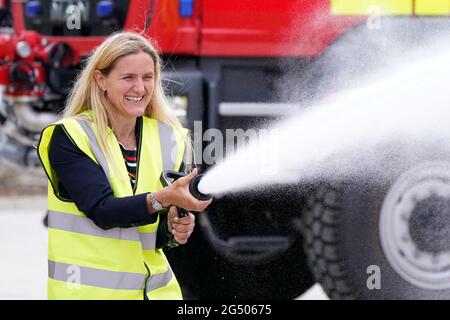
x=129, y=156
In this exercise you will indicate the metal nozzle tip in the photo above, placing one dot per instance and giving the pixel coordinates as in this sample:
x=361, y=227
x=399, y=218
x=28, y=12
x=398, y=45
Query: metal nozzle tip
x=193, y=188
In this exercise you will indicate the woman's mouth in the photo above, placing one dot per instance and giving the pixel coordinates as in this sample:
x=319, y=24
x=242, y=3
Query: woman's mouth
x=134, y=99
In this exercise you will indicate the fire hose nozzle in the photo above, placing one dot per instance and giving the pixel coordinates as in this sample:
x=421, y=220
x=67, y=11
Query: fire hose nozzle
x=193, y=189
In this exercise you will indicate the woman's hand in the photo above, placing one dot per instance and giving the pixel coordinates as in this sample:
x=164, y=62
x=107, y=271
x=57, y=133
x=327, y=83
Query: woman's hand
x=178, y=194
x=181, y=228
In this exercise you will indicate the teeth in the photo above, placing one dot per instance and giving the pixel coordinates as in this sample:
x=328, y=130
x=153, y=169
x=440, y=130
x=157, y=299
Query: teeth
x=135, y=99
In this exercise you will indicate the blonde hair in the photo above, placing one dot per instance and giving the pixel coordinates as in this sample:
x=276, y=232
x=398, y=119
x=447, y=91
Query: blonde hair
x=87, y=95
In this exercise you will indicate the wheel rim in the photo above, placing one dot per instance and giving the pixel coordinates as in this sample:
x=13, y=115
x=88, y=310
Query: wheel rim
x=415, y=226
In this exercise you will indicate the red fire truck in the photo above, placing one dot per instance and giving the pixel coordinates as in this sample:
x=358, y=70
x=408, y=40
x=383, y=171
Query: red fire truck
x=238, y=64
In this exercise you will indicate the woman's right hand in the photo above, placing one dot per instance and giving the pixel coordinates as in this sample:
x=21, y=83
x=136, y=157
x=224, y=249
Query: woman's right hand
x=178, y=194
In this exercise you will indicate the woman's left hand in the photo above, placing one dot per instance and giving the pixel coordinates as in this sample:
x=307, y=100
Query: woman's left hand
x=181, y=228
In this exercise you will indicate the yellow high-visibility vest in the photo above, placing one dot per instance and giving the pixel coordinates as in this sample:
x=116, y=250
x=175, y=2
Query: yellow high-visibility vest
x=87, y=262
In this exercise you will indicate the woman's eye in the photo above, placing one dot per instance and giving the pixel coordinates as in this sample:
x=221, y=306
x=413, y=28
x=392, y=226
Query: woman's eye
x=127, y=77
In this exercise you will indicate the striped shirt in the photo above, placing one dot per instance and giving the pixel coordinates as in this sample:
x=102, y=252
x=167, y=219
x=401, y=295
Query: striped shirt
x=130, y=158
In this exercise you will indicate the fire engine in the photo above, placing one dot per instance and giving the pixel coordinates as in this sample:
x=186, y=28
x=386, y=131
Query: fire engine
x=230, y=64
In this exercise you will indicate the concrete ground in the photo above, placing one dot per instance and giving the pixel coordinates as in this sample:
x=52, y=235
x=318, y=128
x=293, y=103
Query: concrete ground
x=23, y=250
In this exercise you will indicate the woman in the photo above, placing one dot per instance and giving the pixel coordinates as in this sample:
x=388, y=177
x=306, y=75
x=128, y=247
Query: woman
x=109, y=216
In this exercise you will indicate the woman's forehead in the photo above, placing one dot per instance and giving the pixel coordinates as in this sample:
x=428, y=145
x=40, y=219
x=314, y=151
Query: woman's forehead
x=135, y=63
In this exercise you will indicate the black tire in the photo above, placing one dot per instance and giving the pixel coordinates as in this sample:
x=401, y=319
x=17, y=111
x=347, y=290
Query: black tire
x=206, y=275
x=343, y=245
x=322, y=234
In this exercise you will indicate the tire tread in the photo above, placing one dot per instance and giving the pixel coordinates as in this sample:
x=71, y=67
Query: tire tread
x=321, y=230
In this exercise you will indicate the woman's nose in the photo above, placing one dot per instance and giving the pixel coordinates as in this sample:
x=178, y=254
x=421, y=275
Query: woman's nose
x=139, y=86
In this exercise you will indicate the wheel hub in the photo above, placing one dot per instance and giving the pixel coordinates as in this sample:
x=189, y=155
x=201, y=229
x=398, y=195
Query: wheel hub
x=415, y=226
x=429, y=225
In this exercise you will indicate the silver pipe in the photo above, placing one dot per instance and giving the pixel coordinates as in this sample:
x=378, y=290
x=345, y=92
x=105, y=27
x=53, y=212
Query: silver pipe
x=9, y=129
x=31, y=119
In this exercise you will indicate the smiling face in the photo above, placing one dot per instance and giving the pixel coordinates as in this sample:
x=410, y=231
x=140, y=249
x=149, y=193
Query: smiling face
x=129, y=85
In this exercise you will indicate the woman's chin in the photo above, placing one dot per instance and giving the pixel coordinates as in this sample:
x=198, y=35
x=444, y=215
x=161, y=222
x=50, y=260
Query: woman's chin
x=136, y=111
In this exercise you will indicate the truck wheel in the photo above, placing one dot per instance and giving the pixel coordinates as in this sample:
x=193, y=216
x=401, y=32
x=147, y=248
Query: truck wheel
x=389, y=241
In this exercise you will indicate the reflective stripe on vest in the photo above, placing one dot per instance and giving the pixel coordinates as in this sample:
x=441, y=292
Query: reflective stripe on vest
x=159, y=280
x=390, y=7
x=95, y=147
x=78, y=275
x=79, y=224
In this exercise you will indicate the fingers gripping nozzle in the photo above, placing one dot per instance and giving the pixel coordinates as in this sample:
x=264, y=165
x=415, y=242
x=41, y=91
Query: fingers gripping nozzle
x=169, y=176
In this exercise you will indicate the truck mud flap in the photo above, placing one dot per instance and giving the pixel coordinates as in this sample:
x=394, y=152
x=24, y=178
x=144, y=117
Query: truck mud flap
x=245, y=249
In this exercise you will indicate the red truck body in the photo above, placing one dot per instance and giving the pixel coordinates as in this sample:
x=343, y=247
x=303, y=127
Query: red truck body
x=237, y=28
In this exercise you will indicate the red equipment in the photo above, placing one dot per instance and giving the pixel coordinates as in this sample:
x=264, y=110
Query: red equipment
x=24, y=76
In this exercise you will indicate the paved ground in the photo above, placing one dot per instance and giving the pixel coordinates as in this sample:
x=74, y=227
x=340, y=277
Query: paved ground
x=23, y=248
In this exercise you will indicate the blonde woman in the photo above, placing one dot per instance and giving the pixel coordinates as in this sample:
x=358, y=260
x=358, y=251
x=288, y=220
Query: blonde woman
x=109, y=216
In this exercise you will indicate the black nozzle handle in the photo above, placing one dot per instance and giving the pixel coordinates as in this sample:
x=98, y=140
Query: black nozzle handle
x=167, y=178
x=182, y=212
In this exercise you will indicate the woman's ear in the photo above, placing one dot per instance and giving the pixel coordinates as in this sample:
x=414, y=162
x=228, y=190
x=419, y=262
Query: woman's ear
x=100, y=79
